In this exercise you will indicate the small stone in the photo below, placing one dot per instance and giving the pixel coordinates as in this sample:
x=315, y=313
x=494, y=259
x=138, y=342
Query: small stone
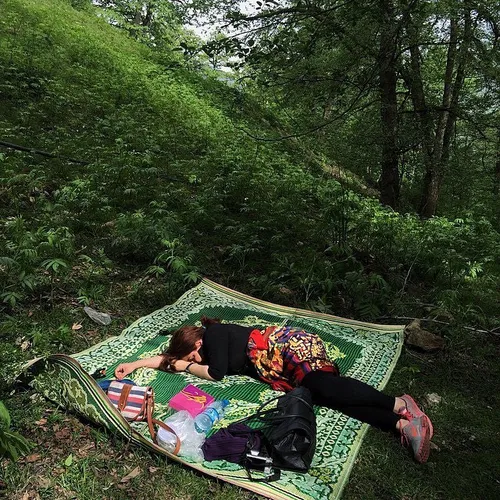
x=433, y=399
x=99, y=317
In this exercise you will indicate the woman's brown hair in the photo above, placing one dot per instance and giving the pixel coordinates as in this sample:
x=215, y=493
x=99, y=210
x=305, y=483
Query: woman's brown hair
x=183, y=342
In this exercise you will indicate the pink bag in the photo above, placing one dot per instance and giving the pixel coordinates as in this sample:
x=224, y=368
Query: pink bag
x=192, y=399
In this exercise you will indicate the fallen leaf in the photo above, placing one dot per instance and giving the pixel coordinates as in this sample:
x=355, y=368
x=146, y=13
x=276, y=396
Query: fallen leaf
x=42, y=421
x=32, y=458
x=63, y=433
x=30, y=313
x=131, y=475
x=68, y=462
x=30, y=495
x=43, y=482
x=83, y=451
x=25, y=345
x=76, y=326
x=153, y=469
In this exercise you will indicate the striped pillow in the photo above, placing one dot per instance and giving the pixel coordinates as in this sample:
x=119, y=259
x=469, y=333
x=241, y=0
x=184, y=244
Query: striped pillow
x=130, y=400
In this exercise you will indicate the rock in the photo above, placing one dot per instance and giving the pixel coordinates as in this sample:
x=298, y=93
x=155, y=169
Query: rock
x=100, y=318
x=433, y=399
x=423, y=339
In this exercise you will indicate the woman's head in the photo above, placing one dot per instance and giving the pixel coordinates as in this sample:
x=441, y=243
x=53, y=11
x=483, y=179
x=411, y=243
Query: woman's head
x=184, y=344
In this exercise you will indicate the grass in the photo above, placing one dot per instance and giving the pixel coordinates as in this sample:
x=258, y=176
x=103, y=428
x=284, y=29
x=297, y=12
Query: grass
x=74, y=459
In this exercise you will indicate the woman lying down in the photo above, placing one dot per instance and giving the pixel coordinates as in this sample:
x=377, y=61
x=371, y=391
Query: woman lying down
x=287, y=357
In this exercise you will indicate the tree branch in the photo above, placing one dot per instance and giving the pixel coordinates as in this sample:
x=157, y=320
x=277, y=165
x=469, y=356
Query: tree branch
x=407, y=318
x=41, y=153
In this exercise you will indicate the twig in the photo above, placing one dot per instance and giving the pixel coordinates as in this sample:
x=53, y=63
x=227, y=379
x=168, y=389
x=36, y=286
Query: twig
x=42, y=153
x=409, y=271
x=492, y=332
x=419, y=357
x=83, y=337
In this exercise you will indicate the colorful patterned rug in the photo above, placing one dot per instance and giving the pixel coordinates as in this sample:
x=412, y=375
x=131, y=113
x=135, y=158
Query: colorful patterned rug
x=365, y=351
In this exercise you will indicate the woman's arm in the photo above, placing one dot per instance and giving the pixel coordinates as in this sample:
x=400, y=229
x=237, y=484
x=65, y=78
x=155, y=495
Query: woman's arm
x=180, y=365
x=124, y=369
x=200, y=371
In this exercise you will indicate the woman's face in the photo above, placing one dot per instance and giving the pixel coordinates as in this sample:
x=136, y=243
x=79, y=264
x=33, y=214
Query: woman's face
x=194, y=355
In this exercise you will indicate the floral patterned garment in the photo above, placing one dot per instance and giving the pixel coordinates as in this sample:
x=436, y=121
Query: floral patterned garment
x=282, y=356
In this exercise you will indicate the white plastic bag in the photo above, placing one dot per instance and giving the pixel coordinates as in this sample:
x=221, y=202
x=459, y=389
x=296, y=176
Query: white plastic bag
x=191, y=441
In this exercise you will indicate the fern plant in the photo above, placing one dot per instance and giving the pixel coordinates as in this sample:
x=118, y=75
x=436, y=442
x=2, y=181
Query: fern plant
x=12, y=444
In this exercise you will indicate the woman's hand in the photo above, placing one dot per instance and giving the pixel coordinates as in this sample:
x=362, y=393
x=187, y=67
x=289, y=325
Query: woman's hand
x=180, y=365
x=123, y=370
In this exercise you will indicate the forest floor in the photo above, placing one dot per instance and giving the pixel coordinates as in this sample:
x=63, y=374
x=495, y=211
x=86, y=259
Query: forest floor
x=74, y=459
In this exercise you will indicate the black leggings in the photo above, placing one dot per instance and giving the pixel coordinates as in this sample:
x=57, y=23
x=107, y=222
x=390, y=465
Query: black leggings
x=352, y=397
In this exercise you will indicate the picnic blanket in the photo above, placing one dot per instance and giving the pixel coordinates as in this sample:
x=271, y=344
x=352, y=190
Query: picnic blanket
x=365, y=351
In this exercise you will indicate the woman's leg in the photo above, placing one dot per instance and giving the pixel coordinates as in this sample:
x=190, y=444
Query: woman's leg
x=354, y=398
x=380, y=418
x=338, y=391
x=363, y=402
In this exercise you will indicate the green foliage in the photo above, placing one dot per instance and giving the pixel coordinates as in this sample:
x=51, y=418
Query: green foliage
x=176, y=188
x=32, y=258
x=12, y=444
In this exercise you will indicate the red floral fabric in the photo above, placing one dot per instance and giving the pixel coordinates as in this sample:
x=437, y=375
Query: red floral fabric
x=282, y=356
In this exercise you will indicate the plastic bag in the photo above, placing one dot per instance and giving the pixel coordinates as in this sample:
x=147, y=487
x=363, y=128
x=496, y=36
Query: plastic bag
x=191, y=441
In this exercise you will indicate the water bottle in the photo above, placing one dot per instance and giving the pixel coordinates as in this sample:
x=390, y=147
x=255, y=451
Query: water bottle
x=213, y=412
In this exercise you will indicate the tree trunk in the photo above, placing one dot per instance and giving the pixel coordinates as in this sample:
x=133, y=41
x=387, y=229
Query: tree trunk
x=444, y=115
x=413, y=78
x=433, y=172
x=496, y=185
x=389, y=179
x=146, y=21
x=447, y=116
x=137, y=17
